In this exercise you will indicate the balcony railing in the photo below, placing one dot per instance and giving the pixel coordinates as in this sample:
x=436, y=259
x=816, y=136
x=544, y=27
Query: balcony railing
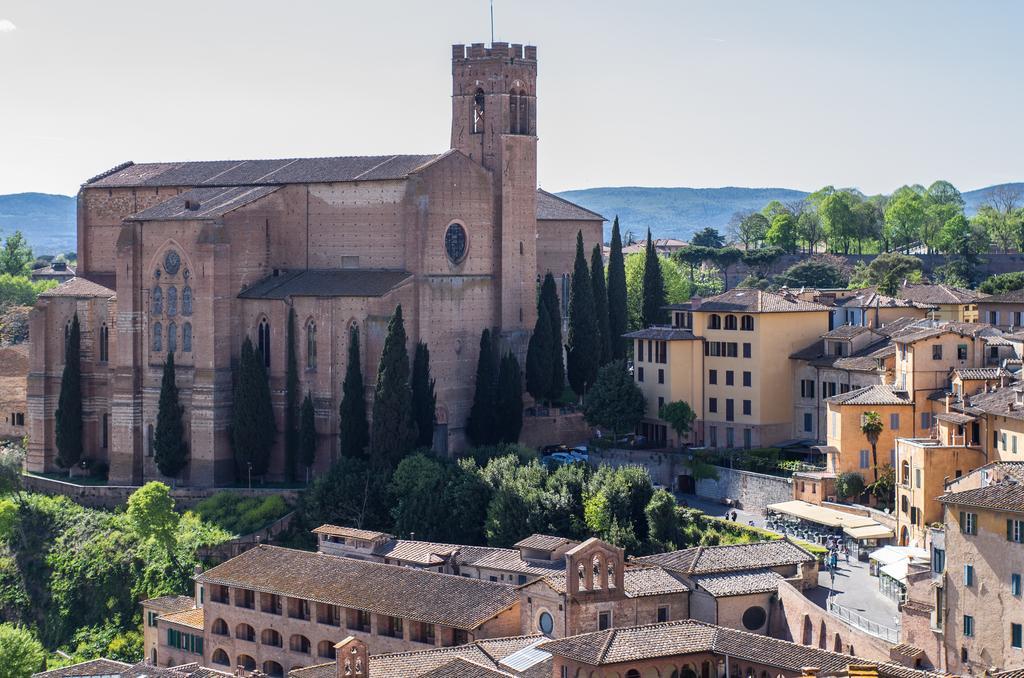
x=886, y=633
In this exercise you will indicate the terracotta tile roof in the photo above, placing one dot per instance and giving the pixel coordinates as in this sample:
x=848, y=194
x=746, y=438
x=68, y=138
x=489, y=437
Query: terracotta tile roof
x=405, y=592
x=1002, y=401
x=638, y=643
x=896, y=326
x=463, y=668
x=730, y=557
x=508, y=560
x=192, y=618
x=749, y=300
x=338, y=282
x=740, y=583
x=638, y=582
x=1012, y=673
x=261, y=172
x=413, y=664
x=939, y=294
x=355, y=533
x=95, y=667
x=1004, y=496
x=848, y=332
x=662, y=334
x=907, y=650
x=876, y=394
x=80, y=288
x=1013, y=297
x=927, y=330
x=204, y=203
x=976, y=373
x=863, y=360
x=542, y=542
x=869, y=298
x=168, y=604
x=551, y=207
x=955, y=417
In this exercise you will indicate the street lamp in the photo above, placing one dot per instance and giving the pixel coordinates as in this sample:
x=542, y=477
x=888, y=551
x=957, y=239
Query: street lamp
x=249, y=464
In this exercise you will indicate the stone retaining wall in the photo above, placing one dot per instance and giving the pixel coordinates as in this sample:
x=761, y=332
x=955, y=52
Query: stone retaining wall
x=555, y=429
x=112, y=496
x=753, y=491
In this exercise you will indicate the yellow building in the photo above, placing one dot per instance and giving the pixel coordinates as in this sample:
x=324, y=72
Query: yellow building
x=951, y=303
x=847, y=448
x=727, y=357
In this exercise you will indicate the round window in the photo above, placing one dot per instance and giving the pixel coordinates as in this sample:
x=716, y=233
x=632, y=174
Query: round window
x=754, y=618
x=546, y=623
x=455, y=242
x=172, y=262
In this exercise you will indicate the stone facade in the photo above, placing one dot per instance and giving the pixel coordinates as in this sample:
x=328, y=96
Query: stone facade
x=753, y=491
x=195, y=257
x=13, y=382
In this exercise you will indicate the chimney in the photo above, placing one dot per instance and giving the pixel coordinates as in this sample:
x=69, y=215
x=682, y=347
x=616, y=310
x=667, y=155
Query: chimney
x=695, y=302
x=949, y=398
x=352, y=658
x=1018, y=394
x=191, y=205
x=59, y=265
x=196, y=571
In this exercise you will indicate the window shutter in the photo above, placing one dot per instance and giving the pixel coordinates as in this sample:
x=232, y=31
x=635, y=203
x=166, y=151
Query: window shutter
x=1009, y=530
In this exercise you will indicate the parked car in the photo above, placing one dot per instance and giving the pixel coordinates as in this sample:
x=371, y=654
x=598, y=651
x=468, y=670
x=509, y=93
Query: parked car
x=580, y=453
x=551, y=449
x=558, y=458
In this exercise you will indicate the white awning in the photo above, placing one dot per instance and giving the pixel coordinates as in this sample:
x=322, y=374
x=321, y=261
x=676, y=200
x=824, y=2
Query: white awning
x=821, y=515
x=876, y=531
x=894, y=554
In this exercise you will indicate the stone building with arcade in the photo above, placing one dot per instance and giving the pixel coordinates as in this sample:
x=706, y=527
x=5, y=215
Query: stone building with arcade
x=191, y=258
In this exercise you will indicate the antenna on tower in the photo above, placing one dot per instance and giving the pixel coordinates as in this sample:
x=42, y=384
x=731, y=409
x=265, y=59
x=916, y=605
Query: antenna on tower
x=492, y=22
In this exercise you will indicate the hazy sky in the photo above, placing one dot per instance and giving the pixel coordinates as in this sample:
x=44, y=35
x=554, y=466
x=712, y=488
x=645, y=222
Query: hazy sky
x=716, y=93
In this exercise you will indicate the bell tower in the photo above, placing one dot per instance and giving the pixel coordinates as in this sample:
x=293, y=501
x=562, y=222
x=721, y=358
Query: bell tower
x=494, y=122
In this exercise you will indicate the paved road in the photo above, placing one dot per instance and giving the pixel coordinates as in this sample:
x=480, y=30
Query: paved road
x=717, y=508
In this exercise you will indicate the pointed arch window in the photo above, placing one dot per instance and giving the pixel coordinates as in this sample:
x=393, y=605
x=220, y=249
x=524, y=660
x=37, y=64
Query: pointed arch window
x=172, y=337
x=186, y=338
x=477, y=111
x=186, y=300
x=311, y=345
x=513, y=112
x=172, y=301
x=524, y=113
x=158, y=301
x=104, y=343
x=263, y=341
x=158, y=338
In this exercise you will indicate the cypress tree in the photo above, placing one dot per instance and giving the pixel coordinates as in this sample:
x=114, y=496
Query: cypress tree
x=307, y=434
x=509, y=400
x=353, y=429
x=653, y=310
x=618, y=316
x=481, y=425
x=424, y=398
x=600, y=304
x=539, y=355
x=169, y=450
x=393, y=432
x=549, y=300
x=252, y=427
x=291, y=402
x=583, y=352
x=69, y=405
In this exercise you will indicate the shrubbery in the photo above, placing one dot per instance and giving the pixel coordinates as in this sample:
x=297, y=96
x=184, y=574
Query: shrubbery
x=241, y=515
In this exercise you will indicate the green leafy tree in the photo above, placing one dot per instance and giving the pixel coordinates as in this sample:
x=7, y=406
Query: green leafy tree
x=601, y=304
x=1003, y=228
x=352, y=493
x=291, y=402
x=169, y=449
x=849, y=484
x=549, y=300
x=693, y=256
x=708, y=237
x=964, y=242
x=663, y=520
x=307, y=434
x=466, y=497
x=677, y=287
x=16, y=255
x=424, y=396
x=69, y=404
x=679, y=415
x=252, y=423
x=481, y=426
x=21, y=655
x=353, y=429
x=583, y=344
x=884, y=488
x=151, y=515
x=753, y=229
x=418, y=486
x=871, y=426
x=539, y=355
x=509, y=400
x=1003, y=282
x=839, y=220
x=618, y=314
x=761, y=260
x=904, y=217
x=869, y=221
x=725, y=258
x=817, y=272
x=20, y=290
x=888, y=271
x=784, y=233
x=810, y=229
x=615, y=402
x=653, y=312
x=393, y=433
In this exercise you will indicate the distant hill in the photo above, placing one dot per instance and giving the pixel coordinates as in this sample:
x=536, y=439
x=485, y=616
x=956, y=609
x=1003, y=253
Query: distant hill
x=679, y=212
x=48, y=221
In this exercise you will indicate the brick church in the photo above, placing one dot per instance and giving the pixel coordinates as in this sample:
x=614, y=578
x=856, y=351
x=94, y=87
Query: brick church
x=191, y=258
